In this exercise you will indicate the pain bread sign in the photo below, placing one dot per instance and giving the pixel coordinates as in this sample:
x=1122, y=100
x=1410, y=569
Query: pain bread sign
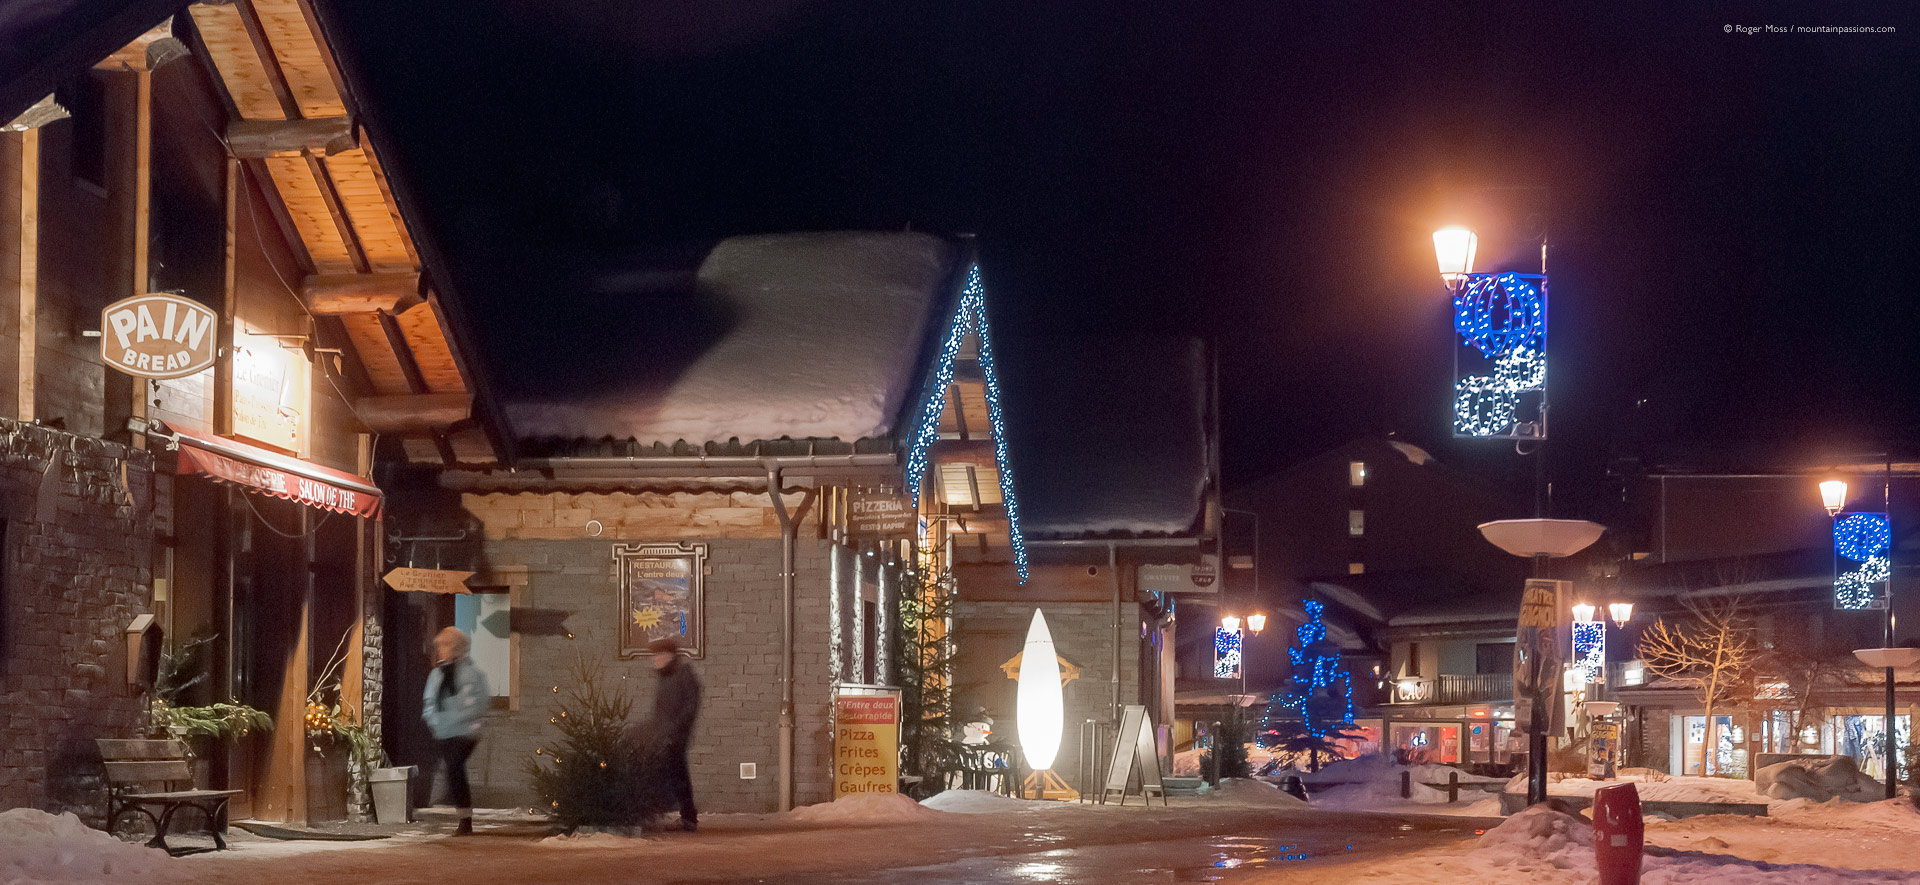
x=158, y=336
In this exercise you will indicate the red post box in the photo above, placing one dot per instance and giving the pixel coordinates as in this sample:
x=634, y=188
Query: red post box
x=1618, y=834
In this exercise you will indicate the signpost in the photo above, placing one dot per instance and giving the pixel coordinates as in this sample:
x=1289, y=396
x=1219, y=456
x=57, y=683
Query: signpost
x=1133, y=746
x=428, y=580
x=866, y=742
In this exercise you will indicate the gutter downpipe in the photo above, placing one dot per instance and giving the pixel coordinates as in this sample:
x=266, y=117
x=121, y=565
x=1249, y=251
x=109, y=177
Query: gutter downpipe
x=789, y=532
x=1113, y=678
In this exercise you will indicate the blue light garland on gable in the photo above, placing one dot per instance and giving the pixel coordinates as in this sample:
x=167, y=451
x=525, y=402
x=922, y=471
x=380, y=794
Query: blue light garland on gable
x=1862, y=543
x=970, y=317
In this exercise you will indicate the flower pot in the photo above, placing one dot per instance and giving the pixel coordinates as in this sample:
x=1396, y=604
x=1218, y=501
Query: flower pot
x=327, y=784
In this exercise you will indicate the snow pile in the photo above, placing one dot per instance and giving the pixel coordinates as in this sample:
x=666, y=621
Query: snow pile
x=39, y=847
x=981, y=802
x=1246, y=791
x=1898, y=814
x=865, y=808
x=1673, y=789
x=1538, y=838
x=589, y=840
x=1818, y=778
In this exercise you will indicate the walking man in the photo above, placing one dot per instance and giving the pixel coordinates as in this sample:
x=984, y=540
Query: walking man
x=453, y=704
x=675, y=705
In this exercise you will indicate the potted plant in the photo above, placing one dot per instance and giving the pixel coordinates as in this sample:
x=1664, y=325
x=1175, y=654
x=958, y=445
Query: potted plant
x=345, y=753
x=170, y=714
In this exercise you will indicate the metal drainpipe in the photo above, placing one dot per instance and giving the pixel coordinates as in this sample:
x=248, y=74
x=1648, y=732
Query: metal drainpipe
x=1113, y=567
x=789, y=530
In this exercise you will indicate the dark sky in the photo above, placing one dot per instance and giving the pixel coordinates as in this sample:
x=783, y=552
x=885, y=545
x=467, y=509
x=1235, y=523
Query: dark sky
x=1733, y=216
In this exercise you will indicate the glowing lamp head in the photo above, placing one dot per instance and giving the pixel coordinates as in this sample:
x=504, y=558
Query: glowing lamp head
x=1583, y=613
x=1833, y=495
x=1039, y=703
x=1454, y=248
x=1256, y=622
x=1622, y=612
x=1230, y=623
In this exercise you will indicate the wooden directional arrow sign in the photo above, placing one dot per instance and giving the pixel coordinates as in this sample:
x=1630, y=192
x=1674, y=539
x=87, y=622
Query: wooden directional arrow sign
x=428, y=580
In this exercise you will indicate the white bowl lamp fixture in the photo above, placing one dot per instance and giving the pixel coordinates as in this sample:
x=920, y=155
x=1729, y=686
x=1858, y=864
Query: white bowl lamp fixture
x=1622, y=612
x=1833, y=496
x=1040, y=705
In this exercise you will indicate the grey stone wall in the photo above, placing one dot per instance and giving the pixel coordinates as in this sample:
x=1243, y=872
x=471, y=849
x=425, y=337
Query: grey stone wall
x=989, y=633
x=77, y=557
x=740, y=670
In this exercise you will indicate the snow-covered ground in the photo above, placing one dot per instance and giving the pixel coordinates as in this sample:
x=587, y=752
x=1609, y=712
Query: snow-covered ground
x=39, y=847
x=1372, y=783
x=1547, y=847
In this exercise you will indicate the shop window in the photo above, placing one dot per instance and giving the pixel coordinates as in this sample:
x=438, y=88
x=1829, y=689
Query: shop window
x=1356, y=473
x=1413, y=659
x=486, y=615
x=1356, y=523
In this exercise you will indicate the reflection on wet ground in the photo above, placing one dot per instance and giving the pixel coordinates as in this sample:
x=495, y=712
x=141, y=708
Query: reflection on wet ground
x=1250, y=847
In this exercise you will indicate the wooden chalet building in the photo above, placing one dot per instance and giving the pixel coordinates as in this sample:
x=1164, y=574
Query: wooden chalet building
x=213, y=158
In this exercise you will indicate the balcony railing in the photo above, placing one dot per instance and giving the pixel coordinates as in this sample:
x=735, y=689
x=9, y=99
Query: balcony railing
x=1447, y=690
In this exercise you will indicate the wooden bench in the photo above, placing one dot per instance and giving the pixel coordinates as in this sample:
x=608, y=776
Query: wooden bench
x=133, y=765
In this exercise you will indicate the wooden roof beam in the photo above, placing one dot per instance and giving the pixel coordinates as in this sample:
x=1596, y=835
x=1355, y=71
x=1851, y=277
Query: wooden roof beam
x=413, y=413
x=253, y=139
x=337, y=294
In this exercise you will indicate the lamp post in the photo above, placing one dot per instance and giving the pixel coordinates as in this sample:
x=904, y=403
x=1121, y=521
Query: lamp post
x=1833, y=496
x=1256, y=622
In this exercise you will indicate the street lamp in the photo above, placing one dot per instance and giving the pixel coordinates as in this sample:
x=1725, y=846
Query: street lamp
x=1621, y=612
x=1230, y=623
x=1833, y=496
x=1583, y=612
x=1454, y=247
x=1256, y=622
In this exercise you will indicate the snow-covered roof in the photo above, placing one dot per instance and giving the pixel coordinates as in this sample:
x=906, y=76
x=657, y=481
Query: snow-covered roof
x=816, y=335
x=1108, y=434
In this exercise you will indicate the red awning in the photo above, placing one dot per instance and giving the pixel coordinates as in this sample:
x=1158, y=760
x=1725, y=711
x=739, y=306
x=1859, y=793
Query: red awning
x=280, y=476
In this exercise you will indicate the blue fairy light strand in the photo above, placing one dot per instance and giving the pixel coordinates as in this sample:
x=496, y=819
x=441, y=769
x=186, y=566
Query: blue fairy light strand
x=970, y=317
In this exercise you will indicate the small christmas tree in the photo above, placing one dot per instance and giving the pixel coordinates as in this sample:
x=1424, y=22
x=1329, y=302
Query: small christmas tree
x=1318, y=708
x=597, y=775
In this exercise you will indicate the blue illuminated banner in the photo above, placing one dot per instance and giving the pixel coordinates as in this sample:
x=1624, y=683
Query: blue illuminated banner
x=1500, y=359
x=1862, y=561
x=1590, y=650
x=1226, y=653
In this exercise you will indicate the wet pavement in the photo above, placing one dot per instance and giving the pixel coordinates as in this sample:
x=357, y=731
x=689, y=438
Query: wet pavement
x=1066, y=844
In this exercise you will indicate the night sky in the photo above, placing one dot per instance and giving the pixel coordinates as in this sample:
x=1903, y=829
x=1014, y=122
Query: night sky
x=1732, y=216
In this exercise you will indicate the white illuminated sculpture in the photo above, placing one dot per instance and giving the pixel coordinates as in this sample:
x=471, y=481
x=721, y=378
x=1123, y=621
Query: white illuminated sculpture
x=1041, y=705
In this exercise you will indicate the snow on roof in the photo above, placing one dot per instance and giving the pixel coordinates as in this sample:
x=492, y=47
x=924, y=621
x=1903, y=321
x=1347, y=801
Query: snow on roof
x=1108, y=434
x=816, y=335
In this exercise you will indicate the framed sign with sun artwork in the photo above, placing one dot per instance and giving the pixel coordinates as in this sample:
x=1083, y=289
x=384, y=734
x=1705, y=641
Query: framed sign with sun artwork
x=662, y=593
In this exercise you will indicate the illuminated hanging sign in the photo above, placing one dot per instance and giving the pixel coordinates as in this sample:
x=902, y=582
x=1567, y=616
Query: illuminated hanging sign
x=158, y=336
x=1500, y=361
x=1226, y=653
x=1590, y=650
x=1862, y=561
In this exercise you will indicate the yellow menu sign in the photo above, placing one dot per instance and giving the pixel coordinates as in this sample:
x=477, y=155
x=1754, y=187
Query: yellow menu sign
x=866, y=744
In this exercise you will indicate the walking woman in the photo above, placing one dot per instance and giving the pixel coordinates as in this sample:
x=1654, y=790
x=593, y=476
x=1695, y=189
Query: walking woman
x=455, y=701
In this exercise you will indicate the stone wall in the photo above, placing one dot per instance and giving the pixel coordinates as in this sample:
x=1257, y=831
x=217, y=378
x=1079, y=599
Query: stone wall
x=574, y=577
x=77, y=557
x=990, y=633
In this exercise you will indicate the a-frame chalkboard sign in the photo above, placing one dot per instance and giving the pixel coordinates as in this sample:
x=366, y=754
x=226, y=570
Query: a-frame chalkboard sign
x=1133, y=746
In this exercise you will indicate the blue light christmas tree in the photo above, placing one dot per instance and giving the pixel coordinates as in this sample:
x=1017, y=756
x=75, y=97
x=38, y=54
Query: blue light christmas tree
x=1318, y=707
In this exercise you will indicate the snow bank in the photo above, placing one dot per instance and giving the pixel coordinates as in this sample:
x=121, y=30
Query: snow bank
x=39, y=847
x=1246, y=791
x=865, y=808
x=1536, y=839
x=982, y=802
x=1673, y=789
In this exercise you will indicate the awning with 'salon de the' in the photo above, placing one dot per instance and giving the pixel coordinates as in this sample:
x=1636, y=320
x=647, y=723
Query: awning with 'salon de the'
x=263, y=472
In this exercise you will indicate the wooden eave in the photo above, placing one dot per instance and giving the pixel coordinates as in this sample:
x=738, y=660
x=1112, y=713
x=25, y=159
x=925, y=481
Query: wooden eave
x=294, y=132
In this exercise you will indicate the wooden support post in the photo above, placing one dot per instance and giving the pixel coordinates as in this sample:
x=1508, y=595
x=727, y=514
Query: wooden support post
x=253, y=139
x=337, y=294
x=19, y=262
x=229, y=303
x=142, y=222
